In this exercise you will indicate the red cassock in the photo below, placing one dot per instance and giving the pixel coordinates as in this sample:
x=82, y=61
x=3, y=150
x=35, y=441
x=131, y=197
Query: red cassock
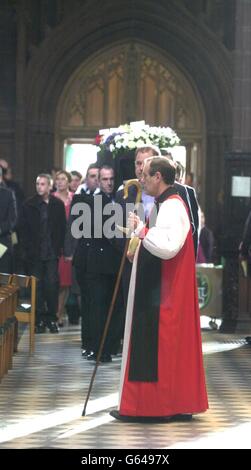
x=179, y=385
x=65, y=267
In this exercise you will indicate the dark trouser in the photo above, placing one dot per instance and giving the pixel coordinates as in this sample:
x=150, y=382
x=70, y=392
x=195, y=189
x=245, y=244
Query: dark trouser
x=86, y=339
x=96, y=295
x=47, y=289
x=6, y=263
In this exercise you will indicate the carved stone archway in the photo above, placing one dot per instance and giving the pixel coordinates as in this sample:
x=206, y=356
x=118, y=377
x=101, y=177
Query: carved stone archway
x=126, y=82
x=168, y=28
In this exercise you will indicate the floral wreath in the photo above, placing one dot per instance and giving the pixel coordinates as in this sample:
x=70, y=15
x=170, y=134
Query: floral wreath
x=128, y=137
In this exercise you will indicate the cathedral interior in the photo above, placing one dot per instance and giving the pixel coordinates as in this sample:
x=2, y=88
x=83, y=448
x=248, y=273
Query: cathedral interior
x=70, y=68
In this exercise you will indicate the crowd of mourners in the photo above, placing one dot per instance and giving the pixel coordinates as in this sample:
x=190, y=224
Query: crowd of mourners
x=76, y=275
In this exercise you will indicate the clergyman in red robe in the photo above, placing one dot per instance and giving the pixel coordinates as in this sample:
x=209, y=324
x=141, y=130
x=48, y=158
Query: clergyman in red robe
x=162, y=374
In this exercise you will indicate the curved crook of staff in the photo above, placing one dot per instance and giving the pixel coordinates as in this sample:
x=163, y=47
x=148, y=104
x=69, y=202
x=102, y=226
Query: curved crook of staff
x=129, y=183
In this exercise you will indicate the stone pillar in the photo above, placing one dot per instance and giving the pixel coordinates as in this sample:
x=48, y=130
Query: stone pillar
x=40, y=152
x=242, y=78
x=238, y=163
x=20, y=90
x=7, y=80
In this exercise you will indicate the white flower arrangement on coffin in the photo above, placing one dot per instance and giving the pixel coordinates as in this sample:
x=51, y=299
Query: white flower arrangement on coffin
x=128, y=137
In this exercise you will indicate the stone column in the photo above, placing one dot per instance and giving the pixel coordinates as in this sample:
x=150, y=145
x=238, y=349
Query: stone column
x=7, y=80
x=40, y=151
x=242, y=78
x=238, y=162
x=20, y=91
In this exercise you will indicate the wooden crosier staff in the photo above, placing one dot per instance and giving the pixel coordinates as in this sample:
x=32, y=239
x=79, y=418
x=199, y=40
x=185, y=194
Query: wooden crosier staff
x=116, y=288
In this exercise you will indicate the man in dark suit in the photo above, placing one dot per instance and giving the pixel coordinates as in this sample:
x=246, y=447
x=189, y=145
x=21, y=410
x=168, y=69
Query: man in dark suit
x=91, y=185
x=245, y=245
x=42, y=225
x=11, y=184
x=188, y=194
x=147, y=202
x=8, y=219
x=97, y=263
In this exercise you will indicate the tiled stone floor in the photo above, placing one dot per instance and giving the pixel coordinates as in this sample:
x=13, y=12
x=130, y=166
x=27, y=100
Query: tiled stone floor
x=42, y=397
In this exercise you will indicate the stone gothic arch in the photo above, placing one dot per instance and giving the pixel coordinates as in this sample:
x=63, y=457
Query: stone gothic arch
x=126, y=82
x=167, y=27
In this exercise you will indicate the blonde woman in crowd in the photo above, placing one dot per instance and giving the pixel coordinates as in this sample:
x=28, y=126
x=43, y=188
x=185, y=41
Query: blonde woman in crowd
x=62, y=182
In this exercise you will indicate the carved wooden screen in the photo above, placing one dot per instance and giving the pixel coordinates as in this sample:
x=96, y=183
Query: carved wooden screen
x=129, y=82
x=95, y=99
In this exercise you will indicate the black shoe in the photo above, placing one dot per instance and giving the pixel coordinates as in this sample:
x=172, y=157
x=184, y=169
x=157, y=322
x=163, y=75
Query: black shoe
x=85, y=352
x=40, y=328
x=105, y=357
x=150, y=419
x=60, y=324
x=53, y=327
x=92, y=356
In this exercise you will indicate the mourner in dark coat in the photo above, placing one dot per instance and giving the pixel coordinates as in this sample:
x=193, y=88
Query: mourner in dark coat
x=245, y=245
x=42, y=225
x=97, y=264
x=8, y=219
